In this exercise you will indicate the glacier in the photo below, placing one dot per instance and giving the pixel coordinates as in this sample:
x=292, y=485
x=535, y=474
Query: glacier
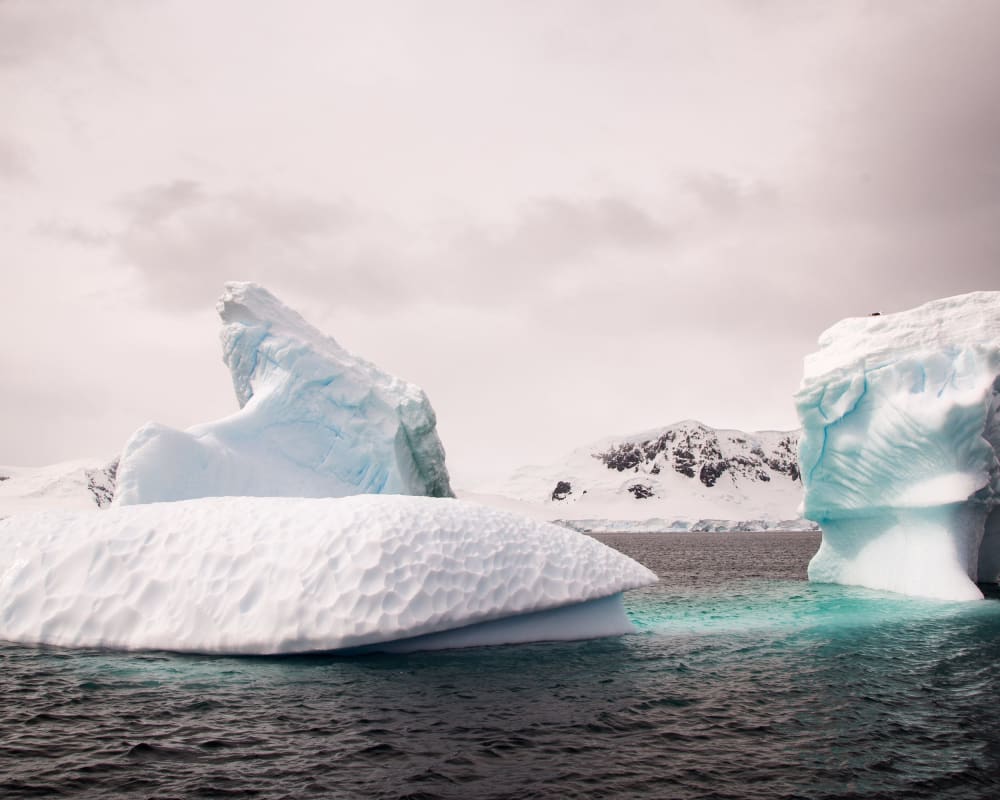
x=314, y=421
x=899, y=447
x=289, y=575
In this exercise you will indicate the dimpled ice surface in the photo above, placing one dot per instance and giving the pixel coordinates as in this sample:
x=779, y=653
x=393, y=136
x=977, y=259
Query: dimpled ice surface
x=286, y=575
x=314, y=421
x=899, y=448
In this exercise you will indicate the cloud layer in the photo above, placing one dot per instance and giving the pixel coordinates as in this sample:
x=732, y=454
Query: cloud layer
x=563, y=222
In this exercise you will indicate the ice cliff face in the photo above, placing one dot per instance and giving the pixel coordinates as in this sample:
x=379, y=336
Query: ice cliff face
x=899, y=448
x=314, y=421
x=683, y=473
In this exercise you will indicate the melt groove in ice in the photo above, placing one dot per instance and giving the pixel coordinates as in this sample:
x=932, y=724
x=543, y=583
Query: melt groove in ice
x=286, y=575
x=899, y=448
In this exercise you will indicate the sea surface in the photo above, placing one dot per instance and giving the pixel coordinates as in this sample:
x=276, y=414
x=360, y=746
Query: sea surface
x=743, y=681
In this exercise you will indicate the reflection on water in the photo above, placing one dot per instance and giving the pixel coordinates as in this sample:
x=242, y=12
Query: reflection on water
x=743, y=680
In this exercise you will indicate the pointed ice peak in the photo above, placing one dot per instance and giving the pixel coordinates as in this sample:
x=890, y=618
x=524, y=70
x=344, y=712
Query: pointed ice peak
x=256, y=323
x=250, y=304
x=315, y=421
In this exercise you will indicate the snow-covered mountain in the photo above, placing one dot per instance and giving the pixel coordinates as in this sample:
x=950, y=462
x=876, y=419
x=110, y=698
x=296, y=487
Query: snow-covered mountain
x=686, y=475
x=69, y=485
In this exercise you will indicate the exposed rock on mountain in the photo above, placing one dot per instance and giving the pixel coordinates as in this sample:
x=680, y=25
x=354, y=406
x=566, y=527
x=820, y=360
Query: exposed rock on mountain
x=687, y=473
x=70, y=485
x=691, y=448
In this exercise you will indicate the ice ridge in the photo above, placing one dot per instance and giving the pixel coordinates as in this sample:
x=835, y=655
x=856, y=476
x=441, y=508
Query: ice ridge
x=314, y=421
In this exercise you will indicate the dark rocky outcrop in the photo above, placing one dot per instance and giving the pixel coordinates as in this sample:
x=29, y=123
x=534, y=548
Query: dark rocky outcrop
x=101, y=483
x=695, y=451
x=563, y=488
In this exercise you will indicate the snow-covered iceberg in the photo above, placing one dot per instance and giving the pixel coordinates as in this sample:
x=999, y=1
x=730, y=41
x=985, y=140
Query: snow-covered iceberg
x=286, y=575
x=899, y=448
x=314, y=421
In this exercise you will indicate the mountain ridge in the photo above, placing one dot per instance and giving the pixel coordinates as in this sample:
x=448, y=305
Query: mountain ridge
x=683, y=471
x=67, y=485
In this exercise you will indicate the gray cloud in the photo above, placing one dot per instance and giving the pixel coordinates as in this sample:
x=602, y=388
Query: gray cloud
x=905, y=181
x=15, y=160
x=72, y=233
x=724, y=196
x=554, y=229
x=550, y=239
x=676, y=198
x=152, y=205
x=574, y=248
x=184, y=240
x=31, y=29
x=920, y=138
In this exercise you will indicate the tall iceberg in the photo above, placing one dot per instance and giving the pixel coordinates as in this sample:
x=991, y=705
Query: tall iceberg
x=898, y=453
x=314, y=421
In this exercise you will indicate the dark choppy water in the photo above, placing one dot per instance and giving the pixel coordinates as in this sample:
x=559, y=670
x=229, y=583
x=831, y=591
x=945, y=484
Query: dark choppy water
x=744, y=682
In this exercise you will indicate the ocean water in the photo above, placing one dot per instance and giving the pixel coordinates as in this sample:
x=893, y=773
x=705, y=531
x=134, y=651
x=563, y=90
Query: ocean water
x=743, y=681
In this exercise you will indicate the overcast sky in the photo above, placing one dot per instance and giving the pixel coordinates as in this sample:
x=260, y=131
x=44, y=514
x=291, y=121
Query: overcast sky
x=564, y=220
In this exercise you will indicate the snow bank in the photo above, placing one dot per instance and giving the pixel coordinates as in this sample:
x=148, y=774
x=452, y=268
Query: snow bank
x=314, y=421
x=663, y=525
x=284, y=575
x=899, y=448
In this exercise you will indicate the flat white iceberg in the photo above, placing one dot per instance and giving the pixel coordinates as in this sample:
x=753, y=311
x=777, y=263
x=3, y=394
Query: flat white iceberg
x=285, y=575
x=314, y=421
x=899, y=448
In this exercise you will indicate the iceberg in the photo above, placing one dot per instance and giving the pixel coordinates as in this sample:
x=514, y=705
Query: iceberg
x=314, y=421
x=286, y=575
x=899, y=447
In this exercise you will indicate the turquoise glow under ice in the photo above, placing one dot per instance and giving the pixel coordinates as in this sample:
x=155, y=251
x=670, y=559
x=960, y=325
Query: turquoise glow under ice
x=777, y=607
